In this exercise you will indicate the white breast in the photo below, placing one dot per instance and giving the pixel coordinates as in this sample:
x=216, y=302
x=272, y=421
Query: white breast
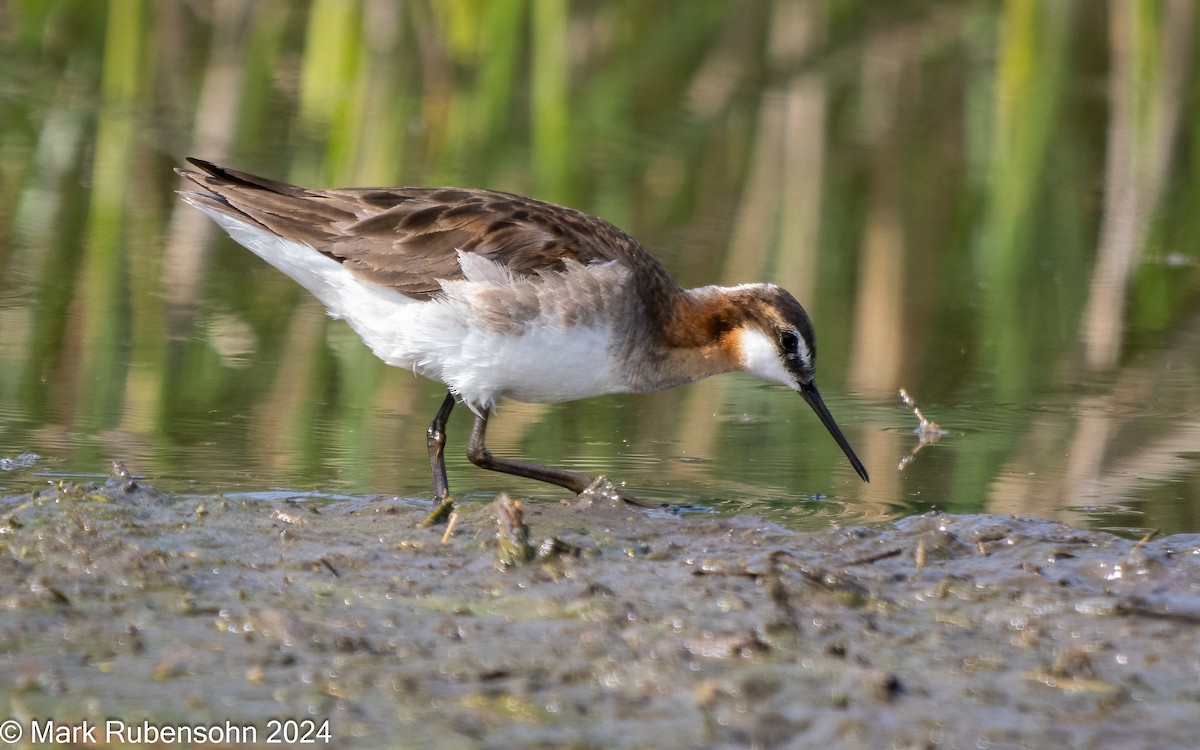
x=543, y=339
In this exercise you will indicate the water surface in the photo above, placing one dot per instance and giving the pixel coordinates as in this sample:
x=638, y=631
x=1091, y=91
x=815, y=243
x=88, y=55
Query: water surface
x=991, y=205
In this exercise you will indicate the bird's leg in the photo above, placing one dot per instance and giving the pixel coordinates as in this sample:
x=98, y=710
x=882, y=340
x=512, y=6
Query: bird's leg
x=435, y=440
x=479, y=455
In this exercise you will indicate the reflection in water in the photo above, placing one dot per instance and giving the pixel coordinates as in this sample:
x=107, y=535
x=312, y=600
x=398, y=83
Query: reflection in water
x=991, y=204
x=1150, y=69
x=927, y=432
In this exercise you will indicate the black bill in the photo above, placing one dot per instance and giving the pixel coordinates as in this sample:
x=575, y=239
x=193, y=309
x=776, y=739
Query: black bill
x=813, y=397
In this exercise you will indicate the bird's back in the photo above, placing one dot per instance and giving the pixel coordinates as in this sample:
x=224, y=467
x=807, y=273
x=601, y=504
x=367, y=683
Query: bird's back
x=409, y=239
x=491, y=293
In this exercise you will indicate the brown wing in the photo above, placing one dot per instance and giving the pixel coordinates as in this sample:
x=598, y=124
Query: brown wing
x=408, y=238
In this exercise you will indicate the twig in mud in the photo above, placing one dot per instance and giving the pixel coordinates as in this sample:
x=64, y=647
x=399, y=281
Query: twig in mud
x=738, y=573
x=870, y=559
x=824, y=578
x=1149, y=537
x=451, y=525
x=1137, y=607
x=512, y=532
x=778, y=595
x=1072, y=672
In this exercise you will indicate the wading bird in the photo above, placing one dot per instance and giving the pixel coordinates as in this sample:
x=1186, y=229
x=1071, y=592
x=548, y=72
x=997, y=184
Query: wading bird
x=500, y=296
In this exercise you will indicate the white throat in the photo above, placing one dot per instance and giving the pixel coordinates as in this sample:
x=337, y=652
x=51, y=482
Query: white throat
x=760, y=356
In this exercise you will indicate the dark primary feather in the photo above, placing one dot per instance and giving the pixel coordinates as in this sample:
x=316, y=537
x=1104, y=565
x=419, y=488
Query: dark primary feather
x=408, y=238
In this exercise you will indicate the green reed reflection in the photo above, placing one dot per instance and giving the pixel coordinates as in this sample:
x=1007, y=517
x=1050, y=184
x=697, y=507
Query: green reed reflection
x=943, y=184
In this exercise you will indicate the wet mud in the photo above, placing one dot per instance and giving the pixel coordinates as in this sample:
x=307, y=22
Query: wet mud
x=585, y=624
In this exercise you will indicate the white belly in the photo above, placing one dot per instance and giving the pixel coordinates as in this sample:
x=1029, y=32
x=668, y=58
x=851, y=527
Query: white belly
x=540, y=363
x=490, y=336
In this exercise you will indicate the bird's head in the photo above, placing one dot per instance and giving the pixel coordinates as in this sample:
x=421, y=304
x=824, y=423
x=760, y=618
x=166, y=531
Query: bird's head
x=775, y=341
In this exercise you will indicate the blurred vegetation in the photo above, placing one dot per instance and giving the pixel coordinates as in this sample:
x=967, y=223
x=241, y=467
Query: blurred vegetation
x=987, y=202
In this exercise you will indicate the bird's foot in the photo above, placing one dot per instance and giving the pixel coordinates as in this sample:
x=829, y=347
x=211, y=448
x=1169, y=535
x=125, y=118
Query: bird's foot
x=439, y=514
x=603, y=490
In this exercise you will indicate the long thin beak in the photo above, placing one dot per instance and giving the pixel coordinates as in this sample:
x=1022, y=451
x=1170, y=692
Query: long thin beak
x=813, y=397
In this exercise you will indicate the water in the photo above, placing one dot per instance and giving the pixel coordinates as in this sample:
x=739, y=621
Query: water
x=955, y=228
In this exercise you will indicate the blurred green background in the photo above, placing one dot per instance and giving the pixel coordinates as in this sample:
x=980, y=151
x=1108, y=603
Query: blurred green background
x=992, y=204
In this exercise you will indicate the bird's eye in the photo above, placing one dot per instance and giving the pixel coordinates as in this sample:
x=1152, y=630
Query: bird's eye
x=788, y=342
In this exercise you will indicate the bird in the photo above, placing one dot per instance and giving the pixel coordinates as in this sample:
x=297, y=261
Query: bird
x=499, y=296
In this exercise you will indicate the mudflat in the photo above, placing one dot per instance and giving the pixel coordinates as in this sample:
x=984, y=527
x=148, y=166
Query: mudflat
x=587, y=624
